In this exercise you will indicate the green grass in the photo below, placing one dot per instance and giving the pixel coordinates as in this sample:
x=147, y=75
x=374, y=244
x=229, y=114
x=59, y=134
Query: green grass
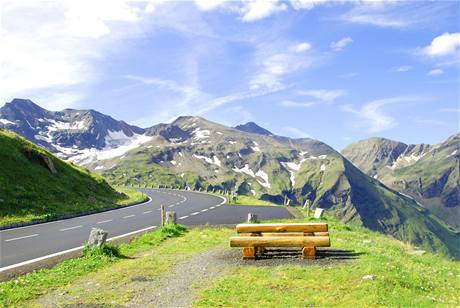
x=247, y=200
x=30, y=191
x=401, y=279
x=16, y=292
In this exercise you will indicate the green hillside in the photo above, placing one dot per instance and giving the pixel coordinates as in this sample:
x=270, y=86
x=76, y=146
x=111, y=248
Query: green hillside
x=211, y=156
x=34, y=184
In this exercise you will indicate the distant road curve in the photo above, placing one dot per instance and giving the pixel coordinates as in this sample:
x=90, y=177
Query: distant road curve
x=29, y=244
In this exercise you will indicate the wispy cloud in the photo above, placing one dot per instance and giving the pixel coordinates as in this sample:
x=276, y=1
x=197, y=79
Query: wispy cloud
x=289, y=103
x=341, y=44
x=436, y=71
x=324, y=94
x=394, y=14
x=373, y=117
x=400, y=69
x=275, y=62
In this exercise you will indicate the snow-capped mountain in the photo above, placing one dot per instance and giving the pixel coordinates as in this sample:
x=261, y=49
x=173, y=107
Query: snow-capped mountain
x=192, y=151
x=81, y=136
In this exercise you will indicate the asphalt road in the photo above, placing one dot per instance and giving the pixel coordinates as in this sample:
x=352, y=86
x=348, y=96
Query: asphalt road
x=21, y=245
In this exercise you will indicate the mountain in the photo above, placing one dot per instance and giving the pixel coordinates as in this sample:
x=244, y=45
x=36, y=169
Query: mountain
x=80, y=136
x=428, y=173
x=35, y=184
x=192, y=151
x=252, y=127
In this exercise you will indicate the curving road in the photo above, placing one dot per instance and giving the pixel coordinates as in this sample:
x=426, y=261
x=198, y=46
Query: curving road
x=25, y=245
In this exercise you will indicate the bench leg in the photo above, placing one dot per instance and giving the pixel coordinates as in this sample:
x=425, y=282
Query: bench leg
x=309, y=252
x=249, y=253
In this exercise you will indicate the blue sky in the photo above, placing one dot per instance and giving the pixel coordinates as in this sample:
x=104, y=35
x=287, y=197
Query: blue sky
x=334, y=71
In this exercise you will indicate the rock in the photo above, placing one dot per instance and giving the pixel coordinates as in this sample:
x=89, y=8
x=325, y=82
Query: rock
x=97, y=238
x=368, y=277
x=171, y=218
x=368, y=241
x=417, y=252
x=252, y=217
x=318, y=213
x=47, y=163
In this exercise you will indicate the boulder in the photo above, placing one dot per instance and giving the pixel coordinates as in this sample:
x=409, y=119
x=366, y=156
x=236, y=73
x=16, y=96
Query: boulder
x=97, y=238
x=252, y=217
x=170, y=218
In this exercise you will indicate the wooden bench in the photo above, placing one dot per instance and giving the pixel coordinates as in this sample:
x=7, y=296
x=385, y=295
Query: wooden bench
x=254, y=238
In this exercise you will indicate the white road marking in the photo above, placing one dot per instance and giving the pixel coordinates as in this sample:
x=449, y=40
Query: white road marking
x=183, y=217
x=129, y=216
x=172, y=205
x=20, y=238
x=2, y=269
x=71, y=228
x=212, y=207
x=146, y=212
x=204, y=210
x=104, y=221
x=196, y=213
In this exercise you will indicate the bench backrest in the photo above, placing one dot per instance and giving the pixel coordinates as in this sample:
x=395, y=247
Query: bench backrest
x=275, y=227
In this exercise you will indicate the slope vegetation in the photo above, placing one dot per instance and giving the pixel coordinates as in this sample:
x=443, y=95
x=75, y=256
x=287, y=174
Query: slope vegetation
x=35, y=184
x=428, y=173
x=198, y=153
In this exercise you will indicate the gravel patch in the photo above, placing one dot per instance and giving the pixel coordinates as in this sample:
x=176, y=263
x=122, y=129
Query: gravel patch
x=180, y=287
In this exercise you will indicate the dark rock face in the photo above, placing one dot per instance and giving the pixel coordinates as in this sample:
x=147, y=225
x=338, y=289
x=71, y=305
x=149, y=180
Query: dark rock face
x=252, y=127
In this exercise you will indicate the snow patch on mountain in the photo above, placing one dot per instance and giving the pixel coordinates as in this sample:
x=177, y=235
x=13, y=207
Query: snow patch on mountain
x=213, y=161
x=245, y=170
x=264, y=176
x=117, y=144
x=405, y=160
x=6, y=122
x=200, y=134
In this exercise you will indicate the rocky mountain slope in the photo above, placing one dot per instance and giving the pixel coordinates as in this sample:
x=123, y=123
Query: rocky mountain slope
x=428, y=173
x=192, y=151
x=34, y=184
x=80, y=136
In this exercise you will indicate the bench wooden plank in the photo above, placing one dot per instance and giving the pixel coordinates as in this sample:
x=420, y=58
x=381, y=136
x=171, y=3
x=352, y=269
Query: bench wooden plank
x=280, y=241
x=294, y=227
x=286, y=234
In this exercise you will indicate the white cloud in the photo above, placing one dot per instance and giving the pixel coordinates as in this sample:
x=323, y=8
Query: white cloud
x=341, y=44
x=307, y=4
x=436, y=71
x=301, y=47
x=288, y=103
x=324, y=95
x=56, y=46
x=209, y=5
x=258, y=9
x=275, y=65
x=443, y=45
x=373, y=117
x=400, y=69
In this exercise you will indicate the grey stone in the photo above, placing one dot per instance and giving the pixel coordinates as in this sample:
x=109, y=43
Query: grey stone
x=97, y=238
x=369, y=277
x=171, y=218
x=252, y=217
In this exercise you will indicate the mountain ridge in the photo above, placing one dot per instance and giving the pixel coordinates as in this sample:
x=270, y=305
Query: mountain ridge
x=192, y=151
